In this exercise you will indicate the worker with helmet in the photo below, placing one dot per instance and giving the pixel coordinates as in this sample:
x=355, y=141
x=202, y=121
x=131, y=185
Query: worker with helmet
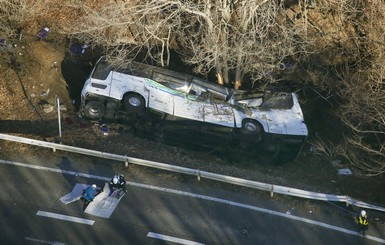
x=89, y=194
x=362, y=220
x=117, y=182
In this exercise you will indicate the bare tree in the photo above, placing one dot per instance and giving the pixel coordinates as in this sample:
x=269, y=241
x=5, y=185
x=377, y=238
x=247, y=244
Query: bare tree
x=126, y=28
x=352, y=41
x=233, y=38
x=362, y=88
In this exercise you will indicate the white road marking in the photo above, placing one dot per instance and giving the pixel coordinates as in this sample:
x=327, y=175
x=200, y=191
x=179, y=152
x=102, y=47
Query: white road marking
x=263, y=210
x=172, y=239
x=208, y=198
x=55, y=170
x=65, y=217
x=42, y=241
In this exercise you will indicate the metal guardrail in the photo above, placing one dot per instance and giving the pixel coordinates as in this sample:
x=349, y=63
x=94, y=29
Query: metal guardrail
x=200, y=174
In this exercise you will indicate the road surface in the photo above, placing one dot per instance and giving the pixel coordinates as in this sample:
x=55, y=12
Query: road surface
x=158, y=210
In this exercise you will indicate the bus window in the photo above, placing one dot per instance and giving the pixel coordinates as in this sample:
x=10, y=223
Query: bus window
x=101, y=71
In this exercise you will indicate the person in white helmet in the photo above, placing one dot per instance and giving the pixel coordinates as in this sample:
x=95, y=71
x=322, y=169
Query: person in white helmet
x=89, y=194
x=362, y=220
x=117, y=182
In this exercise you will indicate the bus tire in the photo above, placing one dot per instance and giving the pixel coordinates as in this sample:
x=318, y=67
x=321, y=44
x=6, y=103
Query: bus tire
x=252, y=128
x=133, y=102
x=94, y=109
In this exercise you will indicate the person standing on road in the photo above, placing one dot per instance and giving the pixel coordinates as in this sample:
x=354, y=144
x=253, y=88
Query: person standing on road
x=362, y=220
x=117, y=182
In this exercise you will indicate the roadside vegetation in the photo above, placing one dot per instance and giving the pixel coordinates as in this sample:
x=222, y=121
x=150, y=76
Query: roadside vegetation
x=329, y=50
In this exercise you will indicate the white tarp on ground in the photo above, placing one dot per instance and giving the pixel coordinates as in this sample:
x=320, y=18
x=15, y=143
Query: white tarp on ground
x=75, y=194
x=104, y=205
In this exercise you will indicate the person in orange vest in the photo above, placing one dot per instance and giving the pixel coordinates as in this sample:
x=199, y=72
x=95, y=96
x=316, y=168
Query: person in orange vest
x=362, y=220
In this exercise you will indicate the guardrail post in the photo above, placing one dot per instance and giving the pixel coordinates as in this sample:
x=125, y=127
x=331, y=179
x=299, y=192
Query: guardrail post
x=347, y=203
x=199, y=175
x=58, y=117
x=126, y=161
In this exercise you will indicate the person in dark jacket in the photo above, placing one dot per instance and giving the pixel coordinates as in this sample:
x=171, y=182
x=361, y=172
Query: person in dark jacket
x=117, y=182
x=78, y=49
x=43, y=33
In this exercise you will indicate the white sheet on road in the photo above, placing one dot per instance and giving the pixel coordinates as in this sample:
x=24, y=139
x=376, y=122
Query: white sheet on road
x=103, y=205
x=75, y=194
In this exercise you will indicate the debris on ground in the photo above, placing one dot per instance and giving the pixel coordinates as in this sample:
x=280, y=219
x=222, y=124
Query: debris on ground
x=43, y=33
x=104, y=129
x=344, y=171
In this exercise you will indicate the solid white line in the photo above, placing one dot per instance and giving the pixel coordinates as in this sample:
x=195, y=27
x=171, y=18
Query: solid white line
x=263, y=210
x=208, y=198
x=54, y=170
x=172, y=239
x=66, y=218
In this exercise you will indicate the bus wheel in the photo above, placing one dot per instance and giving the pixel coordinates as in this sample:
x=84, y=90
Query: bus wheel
x=133, y=103
x=252, y=128
x=94, y=109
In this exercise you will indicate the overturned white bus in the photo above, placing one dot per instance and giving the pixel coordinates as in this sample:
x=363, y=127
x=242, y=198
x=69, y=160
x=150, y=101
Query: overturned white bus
x=140, y=87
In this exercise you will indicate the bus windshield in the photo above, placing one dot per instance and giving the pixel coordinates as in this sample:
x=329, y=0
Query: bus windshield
x=101, y=71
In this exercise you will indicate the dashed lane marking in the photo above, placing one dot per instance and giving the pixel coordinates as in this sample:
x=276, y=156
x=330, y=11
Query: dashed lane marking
x=172, y=239
x=65, y=217
x=42, y=241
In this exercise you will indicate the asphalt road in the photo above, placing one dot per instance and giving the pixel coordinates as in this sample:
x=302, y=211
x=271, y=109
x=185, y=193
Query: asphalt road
x=157, y=210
